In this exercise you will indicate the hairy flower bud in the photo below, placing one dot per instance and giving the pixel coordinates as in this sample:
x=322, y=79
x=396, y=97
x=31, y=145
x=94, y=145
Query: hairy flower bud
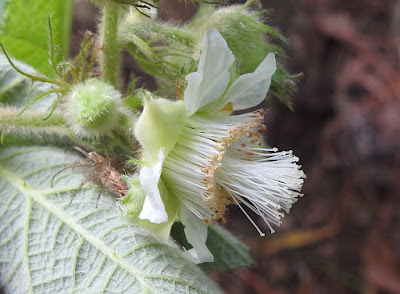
x=94, y=109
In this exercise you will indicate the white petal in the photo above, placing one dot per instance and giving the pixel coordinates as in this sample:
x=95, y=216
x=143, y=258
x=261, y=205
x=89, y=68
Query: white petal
x=210, y=80
x=250, y=89
x=196, y=234
x=153, y=207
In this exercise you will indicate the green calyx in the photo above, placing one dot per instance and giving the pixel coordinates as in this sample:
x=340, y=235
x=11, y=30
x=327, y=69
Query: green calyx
x=94, y=109
x=133, y=204
x=159, y=126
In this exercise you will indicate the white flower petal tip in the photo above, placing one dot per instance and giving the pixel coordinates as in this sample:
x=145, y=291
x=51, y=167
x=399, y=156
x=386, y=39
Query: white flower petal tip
x=153, y=207
x=205, y=256
x=196, y=234
x=211, y=79
x=250, y=89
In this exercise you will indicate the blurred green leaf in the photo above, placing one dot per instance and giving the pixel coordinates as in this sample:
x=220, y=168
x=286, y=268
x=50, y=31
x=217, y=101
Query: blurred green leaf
x=17, y=90
x=25, y=33
x=2, y=7
x=229, y=253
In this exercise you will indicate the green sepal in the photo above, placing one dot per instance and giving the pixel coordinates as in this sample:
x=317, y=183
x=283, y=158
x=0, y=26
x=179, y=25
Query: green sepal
x=159, y=125
x=133, y=204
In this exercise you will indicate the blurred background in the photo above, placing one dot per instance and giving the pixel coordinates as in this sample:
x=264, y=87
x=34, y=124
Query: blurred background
x=343, y=236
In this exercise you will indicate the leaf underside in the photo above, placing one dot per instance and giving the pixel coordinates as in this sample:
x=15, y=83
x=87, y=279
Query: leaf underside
x=51, y=246
x=17, y=90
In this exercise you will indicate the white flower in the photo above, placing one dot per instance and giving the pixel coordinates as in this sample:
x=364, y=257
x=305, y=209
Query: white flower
x=216, y=159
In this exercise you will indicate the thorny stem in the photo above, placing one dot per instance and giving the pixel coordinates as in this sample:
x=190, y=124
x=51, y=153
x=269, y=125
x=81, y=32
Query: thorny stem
x=110, y=55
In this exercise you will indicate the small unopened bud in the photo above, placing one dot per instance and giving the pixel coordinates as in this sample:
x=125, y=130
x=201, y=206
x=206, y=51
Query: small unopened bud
x=93, y=109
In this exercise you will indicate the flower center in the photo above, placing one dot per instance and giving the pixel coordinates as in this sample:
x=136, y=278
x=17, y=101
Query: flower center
x=238, y=143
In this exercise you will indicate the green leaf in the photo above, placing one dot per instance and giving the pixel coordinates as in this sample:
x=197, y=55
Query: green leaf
x=25, y=32
x=229, y=253
x=49, y=245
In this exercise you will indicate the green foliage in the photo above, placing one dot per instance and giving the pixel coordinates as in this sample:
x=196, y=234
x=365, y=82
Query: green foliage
x=25, y=33
x=229, y=253
x=2, y=7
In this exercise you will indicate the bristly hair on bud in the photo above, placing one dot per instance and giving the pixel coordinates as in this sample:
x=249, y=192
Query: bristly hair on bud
x=94, y=109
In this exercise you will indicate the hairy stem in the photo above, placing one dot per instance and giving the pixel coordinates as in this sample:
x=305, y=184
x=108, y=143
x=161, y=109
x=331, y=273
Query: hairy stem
x=110, y=55
x=30, y=126
x=10, y=118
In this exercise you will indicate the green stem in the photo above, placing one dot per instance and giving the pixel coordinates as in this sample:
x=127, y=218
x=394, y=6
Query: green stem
x=110, y=57
x=30, y=128
x=31, y=125
x=10, y=118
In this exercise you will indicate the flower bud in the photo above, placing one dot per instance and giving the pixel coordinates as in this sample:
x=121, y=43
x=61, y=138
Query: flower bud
x=93, y=109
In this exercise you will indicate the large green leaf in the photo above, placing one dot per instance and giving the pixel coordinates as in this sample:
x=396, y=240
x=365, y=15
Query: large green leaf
x=25, y=32
x=51, y=246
